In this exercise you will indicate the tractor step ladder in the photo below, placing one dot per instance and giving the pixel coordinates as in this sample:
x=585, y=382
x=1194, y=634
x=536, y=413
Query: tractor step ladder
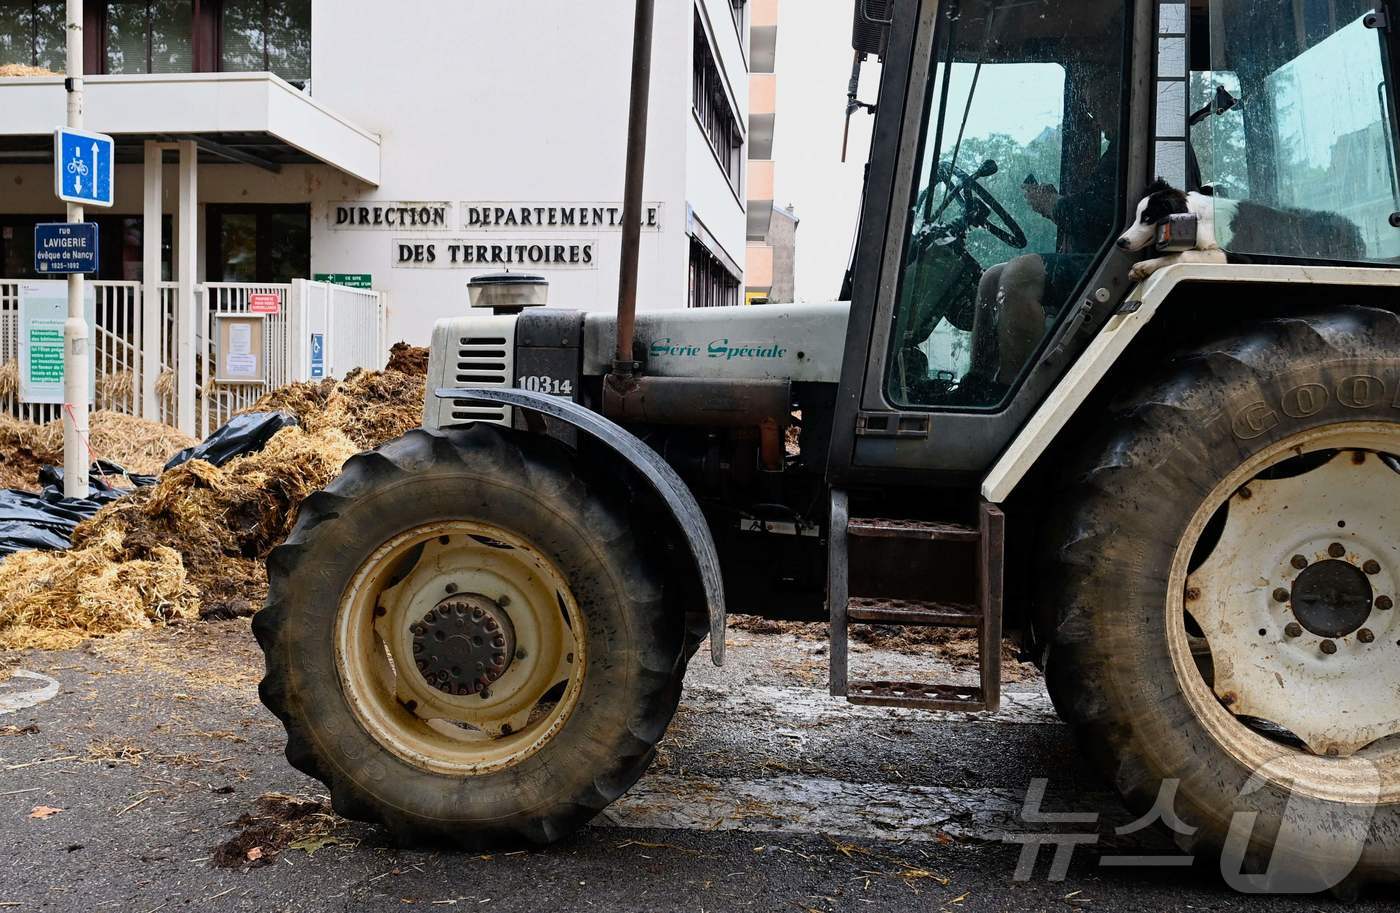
x=984, y=617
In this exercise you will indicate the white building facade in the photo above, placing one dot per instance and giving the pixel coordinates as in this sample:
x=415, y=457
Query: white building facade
x=404, y=144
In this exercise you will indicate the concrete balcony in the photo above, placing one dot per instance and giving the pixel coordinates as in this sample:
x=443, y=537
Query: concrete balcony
x=251, y=118
x=758, y=270
x=760, y=208
x=763, y=103
x=763, y=36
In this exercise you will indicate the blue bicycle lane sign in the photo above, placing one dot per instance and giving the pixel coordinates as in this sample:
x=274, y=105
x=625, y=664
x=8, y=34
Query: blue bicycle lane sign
x=84, y=167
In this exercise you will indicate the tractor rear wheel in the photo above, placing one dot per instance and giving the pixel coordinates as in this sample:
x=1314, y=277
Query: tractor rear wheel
x=465, y=643
x=1225, y=568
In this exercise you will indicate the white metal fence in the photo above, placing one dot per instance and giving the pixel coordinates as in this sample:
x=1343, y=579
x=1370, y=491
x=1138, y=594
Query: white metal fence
x=350, y=322
x=116, y=346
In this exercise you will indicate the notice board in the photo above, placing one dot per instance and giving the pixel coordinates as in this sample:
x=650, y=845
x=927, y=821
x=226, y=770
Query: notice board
x=238, y=352
x=43, y=308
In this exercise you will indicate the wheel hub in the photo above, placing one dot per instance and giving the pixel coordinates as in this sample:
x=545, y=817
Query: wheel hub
x=1332, y=598
x=1295, y=601
x=456, y=645
x=464, y=644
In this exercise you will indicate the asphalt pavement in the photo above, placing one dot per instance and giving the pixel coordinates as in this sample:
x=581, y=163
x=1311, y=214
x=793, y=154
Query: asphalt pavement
x=141, y=774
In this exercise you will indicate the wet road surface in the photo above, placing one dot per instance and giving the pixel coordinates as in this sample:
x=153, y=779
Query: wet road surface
x=168, y=779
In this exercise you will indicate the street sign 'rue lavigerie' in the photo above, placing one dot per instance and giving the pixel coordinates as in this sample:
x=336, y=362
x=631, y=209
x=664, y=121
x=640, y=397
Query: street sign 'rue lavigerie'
x=83, y=166
x=65, y=247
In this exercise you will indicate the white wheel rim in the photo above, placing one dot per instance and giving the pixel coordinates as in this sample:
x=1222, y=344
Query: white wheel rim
x=433, y=569
x=1340, y=521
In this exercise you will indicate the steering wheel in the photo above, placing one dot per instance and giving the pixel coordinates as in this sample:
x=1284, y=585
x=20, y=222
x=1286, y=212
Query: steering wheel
x=977, y=203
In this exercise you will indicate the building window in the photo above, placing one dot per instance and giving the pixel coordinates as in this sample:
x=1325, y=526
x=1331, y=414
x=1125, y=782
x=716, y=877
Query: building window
x=253, y=243
x=737, y=8
x=267, y=35
x=32, y=33
x=713, y=110
x=711, y=285
x=150, y=36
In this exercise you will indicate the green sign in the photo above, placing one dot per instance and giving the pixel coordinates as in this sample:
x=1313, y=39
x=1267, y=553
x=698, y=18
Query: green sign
x=46, y=352
x=349, y=280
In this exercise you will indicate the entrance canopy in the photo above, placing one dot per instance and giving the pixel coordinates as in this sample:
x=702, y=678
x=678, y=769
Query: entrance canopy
x=252, y=118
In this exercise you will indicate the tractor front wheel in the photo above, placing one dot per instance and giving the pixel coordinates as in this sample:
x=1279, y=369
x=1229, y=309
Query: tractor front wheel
x=465, y=642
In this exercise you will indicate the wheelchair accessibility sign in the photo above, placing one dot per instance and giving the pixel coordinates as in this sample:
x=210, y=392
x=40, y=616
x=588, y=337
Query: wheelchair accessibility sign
x=318, y=356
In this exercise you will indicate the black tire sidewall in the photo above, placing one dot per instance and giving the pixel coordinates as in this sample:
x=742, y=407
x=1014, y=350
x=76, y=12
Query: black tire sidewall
x=1109, y=666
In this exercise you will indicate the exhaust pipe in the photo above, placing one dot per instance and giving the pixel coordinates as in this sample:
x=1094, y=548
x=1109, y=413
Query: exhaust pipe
x=624, y=366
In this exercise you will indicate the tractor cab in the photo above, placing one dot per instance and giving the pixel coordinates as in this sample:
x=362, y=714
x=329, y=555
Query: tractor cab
x=1027, y=132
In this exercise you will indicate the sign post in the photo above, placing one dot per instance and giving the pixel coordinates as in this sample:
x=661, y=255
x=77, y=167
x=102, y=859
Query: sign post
x=83, y=173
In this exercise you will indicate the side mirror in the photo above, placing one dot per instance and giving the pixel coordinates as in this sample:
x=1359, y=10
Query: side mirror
x=1177, y=233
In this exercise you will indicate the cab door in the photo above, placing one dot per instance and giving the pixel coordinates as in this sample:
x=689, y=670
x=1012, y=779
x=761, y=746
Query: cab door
x=1004, y=161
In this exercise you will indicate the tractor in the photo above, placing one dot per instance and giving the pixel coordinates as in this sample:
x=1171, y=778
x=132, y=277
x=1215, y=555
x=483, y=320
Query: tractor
x=1179, y=494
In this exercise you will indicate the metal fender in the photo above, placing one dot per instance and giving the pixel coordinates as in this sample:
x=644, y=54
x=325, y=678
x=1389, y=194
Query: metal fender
x=658, y=473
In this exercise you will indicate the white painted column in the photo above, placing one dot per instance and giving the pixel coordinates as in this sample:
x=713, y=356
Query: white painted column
x=298, y=317
x=152, y=228
x=187, y=273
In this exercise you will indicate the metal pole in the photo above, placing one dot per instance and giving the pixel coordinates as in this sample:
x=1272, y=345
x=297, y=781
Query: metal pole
x=75, y=328
x=632, y=200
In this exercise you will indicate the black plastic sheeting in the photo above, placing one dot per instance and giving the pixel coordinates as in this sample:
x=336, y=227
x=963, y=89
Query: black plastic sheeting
x=245, y=434
x=47, y=520
x=97, y=477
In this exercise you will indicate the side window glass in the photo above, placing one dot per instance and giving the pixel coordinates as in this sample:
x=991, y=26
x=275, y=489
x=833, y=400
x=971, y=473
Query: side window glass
x=1015, y=196
x=1302, y=156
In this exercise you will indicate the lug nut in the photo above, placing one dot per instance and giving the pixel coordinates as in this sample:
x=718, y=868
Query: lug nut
x=520, y=653
x=1337, y=550
x=1384, y=603
x=1372, y=567
x=1329, y=647
x=1365, y=635
x=1281, y=595
x=451, y=588
x=1299, y=562
x=1293, y=629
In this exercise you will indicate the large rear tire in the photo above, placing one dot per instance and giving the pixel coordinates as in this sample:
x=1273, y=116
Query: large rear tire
x=465, y=643
x=1222, y=578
